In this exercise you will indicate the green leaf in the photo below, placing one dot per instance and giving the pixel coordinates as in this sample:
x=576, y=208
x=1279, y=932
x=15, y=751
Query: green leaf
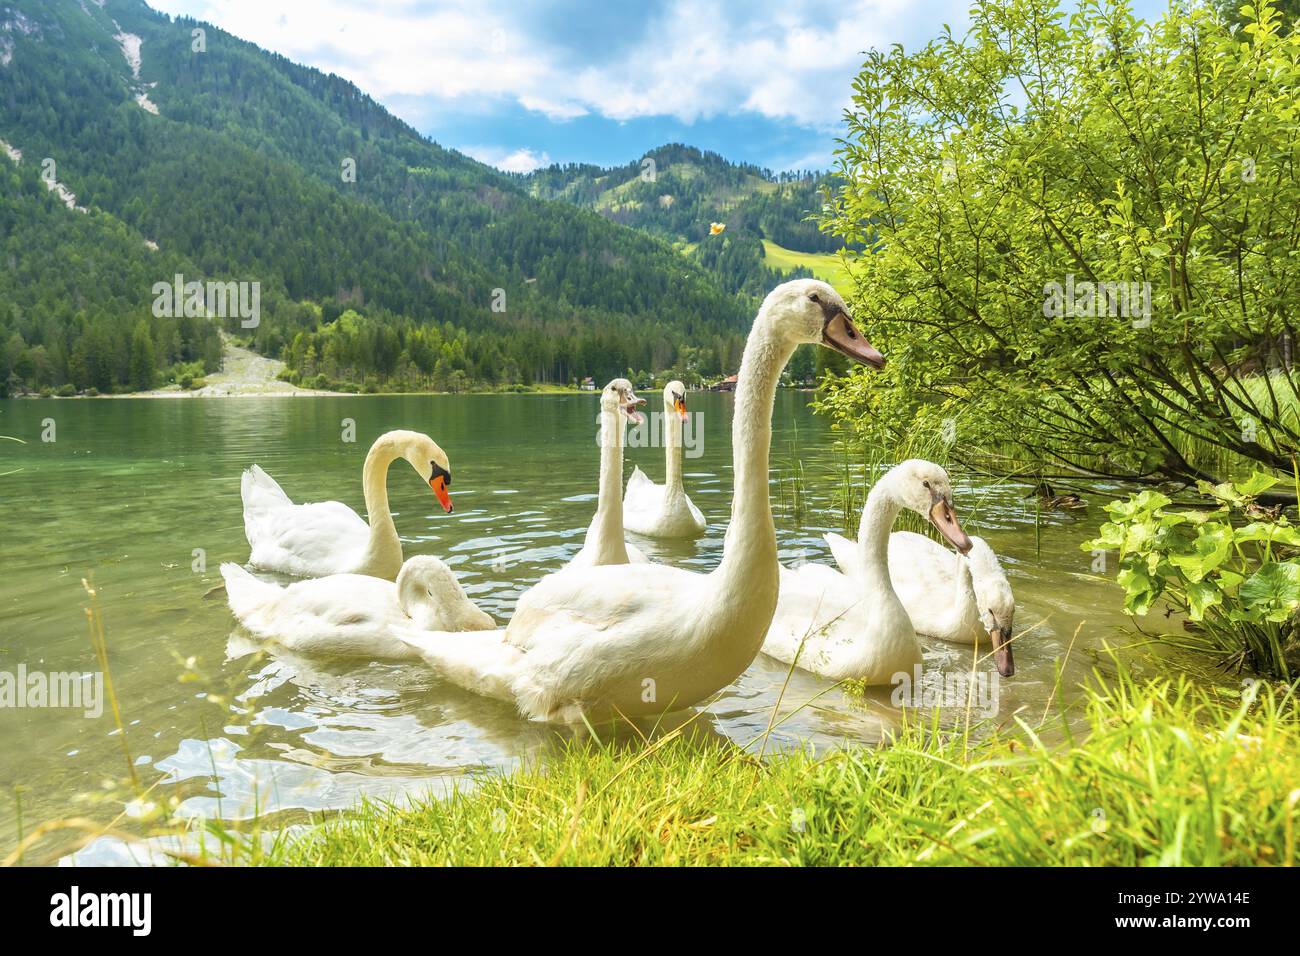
x=1273, y=589
x=1255, y=485
x=1201, y=596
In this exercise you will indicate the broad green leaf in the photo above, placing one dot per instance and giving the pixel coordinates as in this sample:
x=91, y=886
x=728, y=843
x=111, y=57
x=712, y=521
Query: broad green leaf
x=1255, y=485
x=1200, y=596
x=1275, y=587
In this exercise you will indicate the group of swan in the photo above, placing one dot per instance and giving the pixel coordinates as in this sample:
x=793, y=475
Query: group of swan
x=598, y=638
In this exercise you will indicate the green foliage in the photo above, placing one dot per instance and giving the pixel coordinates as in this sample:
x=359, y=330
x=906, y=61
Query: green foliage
x=1238, y=583
x=1162, y=775
x=1039, y=152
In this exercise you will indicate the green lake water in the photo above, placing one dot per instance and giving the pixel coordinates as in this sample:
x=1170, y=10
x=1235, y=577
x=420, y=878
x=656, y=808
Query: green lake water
x=130, y=488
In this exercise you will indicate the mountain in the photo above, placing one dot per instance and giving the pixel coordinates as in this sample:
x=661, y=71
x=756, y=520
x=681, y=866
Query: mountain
x=148, y=147
x=678, y=193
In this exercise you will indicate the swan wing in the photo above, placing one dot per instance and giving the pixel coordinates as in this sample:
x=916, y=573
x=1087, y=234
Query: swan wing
x=817, y=608
x=342, y=615
x=844, y=551
x=919, y=565
x=320, y=538
x=643, y=503
x=477, y=661
x=597, y=638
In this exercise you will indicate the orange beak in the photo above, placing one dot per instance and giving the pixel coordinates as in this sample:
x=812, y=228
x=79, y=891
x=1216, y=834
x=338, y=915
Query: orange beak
x=681, y=409
x=439, y=485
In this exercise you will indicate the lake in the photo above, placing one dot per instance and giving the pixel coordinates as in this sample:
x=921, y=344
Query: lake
x=129, y=489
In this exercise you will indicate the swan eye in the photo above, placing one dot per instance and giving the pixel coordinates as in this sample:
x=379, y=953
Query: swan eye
x=814, y=297
x=926, y=484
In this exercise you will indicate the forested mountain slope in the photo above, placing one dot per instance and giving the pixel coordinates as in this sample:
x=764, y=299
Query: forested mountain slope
x=237, y=164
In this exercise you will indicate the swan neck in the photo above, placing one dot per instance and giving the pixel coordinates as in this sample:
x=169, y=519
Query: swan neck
x=878, y=517
x=672, y=450
x=608, y=523
x=749, y=550
x=374, y=486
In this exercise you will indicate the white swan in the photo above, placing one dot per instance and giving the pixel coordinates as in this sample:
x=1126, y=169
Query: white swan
x=329, y=537
x=664, y=511
x=354, y=615
x=651, y=639
x=854, y=625
x=947, y=596
x=604, y=543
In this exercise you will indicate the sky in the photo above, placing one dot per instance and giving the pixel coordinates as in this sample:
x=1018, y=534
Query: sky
x=525, y=84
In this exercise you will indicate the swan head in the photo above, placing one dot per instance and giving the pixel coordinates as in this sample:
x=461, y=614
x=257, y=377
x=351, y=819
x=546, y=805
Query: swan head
x=925, y=488
x=997, y=605
x=430, y=463
x=809, y=310
x=430, y=594
x=675, y=399
x=618, y=395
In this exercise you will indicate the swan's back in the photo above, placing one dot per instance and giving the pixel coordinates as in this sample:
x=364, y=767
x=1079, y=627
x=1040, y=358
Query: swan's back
x=344, y=615
x=828, y=623
x=319, y=538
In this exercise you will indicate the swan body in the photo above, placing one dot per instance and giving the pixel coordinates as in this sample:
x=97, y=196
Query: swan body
x=854, y=625
x=604, y=543
x=354, y=615
x=664, y=511
x=638, y=641
x=311, y=540
x=966, y=600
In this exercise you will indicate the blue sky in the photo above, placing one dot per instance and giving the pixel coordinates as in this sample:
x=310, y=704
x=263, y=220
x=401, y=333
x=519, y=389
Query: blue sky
x=523, y=84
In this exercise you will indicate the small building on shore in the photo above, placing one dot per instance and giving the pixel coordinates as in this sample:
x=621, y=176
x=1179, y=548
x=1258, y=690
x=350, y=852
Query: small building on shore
x=728, y=384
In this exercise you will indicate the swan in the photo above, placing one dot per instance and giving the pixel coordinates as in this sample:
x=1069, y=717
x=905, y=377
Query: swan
x=854, y=625
x=329, y=537
x=604, y=543
x=955, y=602
x=947, y=596
x=354, y=615
x=601, y=641
x=664, y=511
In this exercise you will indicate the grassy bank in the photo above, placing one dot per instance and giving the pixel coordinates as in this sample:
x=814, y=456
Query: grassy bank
x=1164, y=773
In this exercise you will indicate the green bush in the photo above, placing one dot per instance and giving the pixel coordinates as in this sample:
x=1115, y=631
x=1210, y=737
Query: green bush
x=1238, y=585
x=67, y=390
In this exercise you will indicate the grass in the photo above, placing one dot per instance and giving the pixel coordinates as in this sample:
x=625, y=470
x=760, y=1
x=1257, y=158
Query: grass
x=826, y=266
x=1164, y=773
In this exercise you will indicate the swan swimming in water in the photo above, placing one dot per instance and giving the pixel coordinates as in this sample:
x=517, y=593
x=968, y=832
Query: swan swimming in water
x=664, y=511
x=605, y=543
x=354, y=615
x=601, y=641
x=854, y=625
x=328, y=537
x=947, y=596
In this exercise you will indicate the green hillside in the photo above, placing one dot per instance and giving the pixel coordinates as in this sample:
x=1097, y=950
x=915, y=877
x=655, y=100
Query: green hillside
x=678, y=192
x=828, y=267
x=238, y=175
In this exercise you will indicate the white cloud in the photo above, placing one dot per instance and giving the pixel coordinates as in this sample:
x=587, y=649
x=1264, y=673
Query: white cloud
x=694, y=59
x=522, y=160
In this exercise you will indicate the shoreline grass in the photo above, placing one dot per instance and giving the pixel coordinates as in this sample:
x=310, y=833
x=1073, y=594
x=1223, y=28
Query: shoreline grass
x=1165, y=773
